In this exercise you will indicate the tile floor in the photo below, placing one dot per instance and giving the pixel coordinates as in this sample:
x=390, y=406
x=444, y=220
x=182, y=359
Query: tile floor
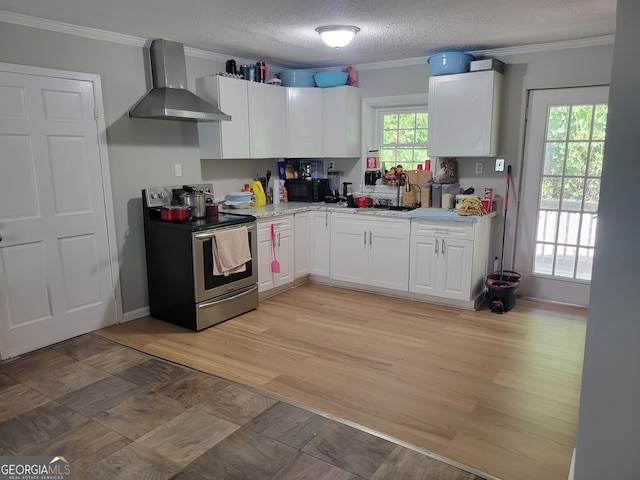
x=121, y=414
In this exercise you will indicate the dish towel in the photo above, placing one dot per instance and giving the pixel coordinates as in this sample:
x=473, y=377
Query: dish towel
x=230, y=249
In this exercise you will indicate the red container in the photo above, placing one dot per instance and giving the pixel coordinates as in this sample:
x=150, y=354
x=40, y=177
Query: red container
x=364, y=202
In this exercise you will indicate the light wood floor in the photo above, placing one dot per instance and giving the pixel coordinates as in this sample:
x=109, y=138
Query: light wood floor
x=499, y=393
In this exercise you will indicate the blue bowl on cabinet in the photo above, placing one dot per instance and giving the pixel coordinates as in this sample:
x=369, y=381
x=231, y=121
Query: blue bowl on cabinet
x=331, y=79
x=297, y=78
x=447, y=63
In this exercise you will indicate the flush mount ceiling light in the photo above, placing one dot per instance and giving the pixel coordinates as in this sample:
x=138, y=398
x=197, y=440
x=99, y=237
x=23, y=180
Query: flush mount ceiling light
x=337, y=36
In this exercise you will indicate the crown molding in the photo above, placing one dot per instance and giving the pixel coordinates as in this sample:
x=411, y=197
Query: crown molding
x=498, y=52
x=218, y=57
x=107, y=36
x=61, y=27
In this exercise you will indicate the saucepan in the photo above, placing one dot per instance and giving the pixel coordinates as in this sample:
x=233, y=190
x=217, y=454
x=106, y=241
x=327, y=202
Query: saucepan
x=175, y=213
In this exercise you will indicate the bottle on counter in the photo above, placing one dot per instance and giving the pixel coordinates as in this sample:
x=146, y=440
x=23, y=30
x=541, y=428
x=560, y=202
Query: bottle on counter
x=274, y=186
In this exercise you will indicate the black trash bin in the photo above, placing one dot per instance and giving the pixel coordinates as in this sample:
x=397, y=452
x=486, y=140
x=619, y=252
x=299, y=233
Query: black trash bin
x=502, y=288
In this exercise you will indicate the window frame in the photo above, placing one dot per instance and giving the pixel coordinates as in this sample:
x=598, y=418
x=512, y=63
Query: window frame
x=380, y=112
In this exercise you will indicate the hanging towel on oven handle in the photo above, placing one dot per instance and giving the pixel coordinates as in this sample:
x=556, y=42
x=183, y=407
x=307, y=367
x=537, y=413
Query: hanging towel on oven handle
x=231, y=252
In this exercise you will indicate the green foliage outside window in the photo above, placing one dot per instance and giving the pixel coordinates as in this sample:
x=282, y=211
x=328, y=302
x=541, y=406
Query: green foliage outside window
x=573, y=156
x=404, y=139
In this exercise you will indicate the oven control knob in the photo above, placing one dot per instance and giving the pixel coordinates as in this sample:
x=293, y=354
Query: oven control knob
x=161, y=195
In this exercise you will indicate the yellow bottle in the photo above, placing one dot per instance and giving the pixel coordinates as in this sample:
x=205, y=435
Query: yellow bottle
x=259, y=198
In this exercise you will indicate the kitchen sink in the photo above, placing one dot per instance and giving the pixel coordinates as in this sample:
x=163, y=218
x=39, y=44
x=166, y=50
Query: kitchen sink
x=390, y=208
x=400, y=208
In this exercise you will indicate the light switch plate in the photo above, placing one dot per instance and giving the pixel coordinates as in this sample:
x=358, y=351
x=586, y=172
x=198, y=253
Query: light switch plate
x=499, y=164
x=178, y=169
x=479, y=167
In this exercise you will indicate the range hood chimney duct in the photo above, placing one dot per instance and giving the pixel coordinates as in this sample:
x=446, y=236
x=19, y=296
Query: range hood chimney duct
x=169, y=98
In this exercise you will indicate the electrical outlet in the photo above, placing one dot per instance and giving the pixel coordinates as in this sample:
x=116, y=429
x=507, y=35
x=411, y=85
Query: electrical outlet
x=479, y=166
x=499, y=164
x=178, y=169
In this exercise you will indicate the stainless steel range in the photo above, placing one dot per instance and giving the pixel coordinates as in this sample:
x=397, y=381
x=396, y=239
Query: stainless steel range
x=183, y=288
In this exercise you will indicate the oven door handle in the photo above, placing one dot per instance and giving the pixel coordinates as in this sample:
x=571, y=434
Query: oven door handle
x=227, y=298
x=210, y=234
x=204, y=236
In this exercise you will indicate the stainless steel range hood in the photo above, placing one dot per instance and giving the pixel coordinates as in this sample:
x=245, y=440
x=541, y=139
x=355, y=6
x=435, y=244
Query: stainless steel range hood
x=169, y=98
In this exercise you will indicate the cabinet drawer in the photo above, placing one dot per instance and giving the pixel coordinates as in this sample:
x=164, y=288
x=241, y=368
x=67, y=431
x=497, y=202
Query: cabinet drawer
x=442, y=229
x=284, y=222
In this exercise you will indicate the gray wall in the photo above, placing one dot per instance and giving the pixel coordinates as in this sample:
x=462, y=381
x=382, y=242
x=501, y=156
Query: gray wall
x=609, y=424
x=143, y=152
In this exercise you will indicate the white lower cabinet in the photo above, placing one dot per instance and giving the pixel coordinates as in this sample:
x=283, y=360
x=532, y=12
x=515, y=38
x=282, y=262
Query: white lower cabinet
x=302, y=241
x=284, y=252
x=449, y=259
x=320, y=243
x=370, y=250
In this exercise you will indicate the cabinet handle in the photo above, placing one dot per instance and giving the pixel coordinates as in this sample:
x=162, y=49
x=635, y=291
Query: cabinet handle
x=278, y=240
x=365, y=238
x=370, y=238
x=436, y=246
x=442, y=247
x=326, y=221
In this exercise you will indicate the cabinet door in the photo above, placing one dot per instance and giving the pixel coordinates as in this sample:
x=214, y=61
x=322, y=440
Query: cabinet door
x=267, y=120
x=320, y=243
x=456, y=260
x=389, y=255
x=341, y=121
x=349, y=249
x=285, y=252
x=225, y=139
x=463, y=114
x=424, y=265
x=266, y=280
x=302, y=229
x=305, y=122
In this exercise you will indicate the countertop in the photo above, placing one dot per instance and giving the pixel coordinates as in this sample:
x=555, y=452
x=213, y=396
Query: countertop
x=435, y=214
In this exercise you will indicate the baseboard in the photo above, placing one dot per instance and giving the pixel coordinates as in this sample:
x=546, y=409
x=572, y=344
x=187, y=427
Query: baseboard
x=571, y=468
x=141, y=312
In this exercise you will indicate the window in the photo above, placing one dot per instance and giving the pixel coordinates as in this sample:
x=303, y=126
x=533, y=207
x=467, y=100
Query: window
x=570, y=190
x=402, y=137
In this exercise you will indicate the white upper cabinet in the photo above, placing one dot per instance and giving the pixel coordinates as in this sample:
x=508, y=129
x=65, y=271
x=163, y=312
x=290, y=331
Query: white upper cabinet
x=464, y=114
x=341, y=121
x=304, y=106
x=226, y=139
x=258, y=125
x=267, y=120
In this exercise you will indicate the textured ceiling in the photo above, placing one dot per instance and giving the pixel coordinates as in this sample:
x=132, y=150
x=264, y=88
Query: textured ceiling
x=283, y=31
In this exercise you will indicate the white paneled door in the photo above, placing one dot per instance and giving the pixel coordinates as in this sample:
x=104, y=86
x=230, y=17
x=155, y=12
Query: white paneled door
x=55, y=265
